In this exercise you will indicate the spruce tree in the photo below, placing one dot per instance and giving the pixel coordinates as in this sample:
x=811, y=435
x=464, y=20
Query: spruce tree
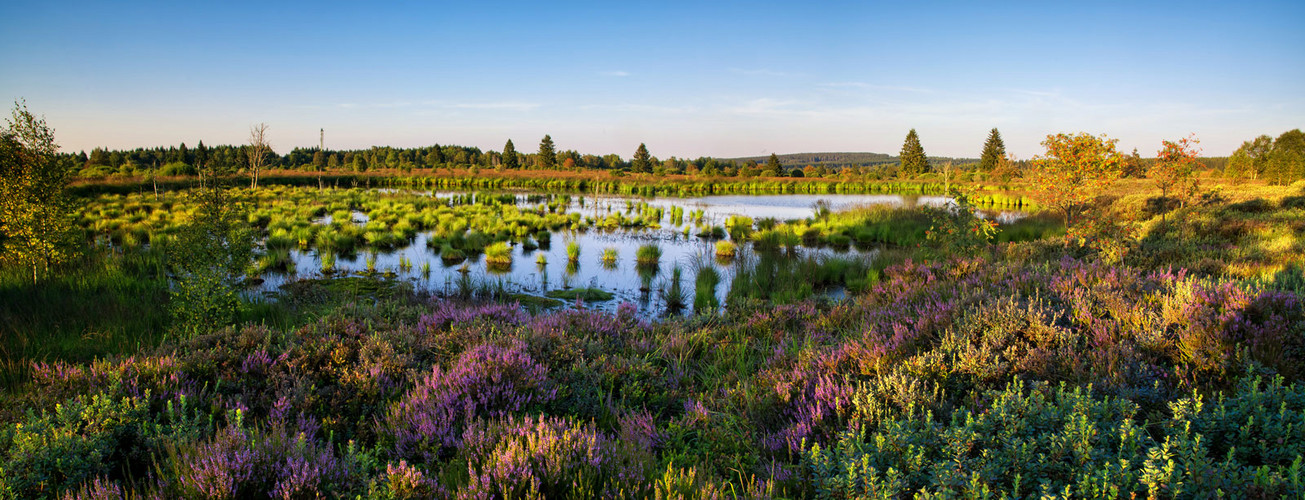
x=914, y=162
x=547, y=156
x=993, y=151
x=773, y=165
x=201, y=155
x=509, y=155
x=641, y=161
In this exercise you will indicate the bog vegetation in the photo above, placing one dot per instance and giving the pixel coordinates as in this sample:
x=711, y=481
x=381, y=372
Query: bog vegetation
x=1142, y=333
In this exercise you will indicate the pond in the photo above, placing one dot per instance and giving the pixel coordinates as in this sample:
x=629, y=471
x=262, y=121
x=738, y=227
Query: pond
x=537, y=271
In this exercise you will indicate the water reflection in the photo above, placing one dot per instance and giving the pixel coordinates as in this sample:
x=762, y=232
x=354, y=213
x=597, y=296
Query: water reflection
x=602, y=259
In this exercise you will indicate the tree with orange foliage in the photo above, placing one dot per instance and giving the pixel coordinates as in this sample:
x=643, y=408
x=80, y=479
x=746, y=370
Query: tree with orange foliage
x=1174, y=164
x=1075, y=169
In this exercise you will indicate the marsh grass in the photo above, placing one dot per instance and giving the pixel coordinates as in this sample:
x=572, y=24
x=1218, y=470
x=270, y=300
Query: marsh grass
x=673, y=293
x=704, y=284
x=498, y=254
x=609, y=257
x=110, y=303
x=648, y=255
x=451, y=255
x=781, y=279
x=573, y=251
x=726, y=249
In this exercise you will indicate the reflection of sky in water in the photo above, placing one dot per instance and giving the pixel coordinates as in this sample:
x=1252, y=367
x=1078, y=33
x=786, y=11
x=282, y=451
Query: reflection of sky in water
x=625, y=281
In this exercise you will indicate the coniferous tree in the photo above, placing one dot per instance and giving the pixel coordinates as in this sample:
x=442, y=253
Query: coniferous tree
x=201, y=155
x=99, y=157
x=993, y=151
x=509, y=155
x=547, y=155
x=773, y=164
x=642, y=159
x=914, y=162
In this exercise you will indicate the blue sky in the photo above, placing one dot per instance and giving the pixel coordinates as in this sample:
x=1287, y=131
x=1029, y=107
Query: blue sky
x=687, y=78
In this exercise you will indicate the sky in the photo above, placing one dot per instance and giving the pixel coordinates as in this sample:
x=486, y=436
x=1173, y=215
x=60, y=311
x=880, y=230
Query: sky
x=689, y=79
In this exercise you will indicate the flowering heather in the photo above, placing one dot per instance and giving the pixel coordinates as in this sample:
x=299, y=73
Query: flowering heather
x=942, y=376
x=238, y=463
x=815, y=400
x=1217, y=325
x=448, y=314
x=96, y=489
x=547, y=457
x=487, y=380
x=404, y=481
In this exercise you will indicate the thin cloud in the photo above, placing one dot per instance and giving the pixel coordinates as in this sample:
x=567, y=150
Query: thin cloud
x=501, y=105
x=639, y=108
x=761, y=72
x=871, y=86
x=764, y=105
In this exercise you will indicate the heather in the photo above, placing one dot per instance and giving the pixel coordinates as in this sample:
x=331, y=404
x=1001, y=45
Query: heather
x=1113, y=344
x=949, y=376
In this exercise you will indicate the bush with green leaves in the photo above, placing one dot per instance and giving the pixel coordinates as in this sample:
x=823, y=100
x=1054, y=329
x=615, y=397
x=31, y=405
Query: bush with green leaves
x=90, y=437
x=208, y=258
x=1039, y=439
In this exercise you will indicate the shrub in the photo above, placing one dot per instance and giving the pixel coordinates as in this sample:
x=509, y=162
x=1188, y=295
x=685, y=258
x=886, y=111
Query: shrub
x=85, y=438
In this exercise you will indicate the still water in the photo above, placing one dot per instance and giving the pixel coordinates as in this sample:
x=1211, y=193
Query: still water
x=628, y=282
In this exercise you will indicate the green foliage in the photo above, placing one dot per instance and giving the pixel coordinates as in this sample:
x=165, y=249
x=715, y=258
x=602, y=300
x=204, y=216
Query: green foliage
x=955, y=230
x=648, y=255
x=610, y=255
x=994, y=151
x=704, y=286
x=913, y=160
x=510, y=156
x=1071, y=441
x=208, y=260
x=547, y=156
x=726, y=249
x=36, y=213
x=89, y=437
x=573, y=251
x=642, y=160
x=498, y=254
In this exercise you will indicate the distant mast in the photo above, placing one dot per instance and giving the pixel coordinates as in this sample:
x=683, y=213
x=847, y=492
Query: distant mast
x=321, y=146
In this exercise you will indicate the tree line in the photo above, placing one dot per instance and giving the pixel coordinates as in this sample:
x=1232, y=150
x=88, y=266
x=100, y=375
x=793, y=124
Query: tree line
x=1280, y=161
